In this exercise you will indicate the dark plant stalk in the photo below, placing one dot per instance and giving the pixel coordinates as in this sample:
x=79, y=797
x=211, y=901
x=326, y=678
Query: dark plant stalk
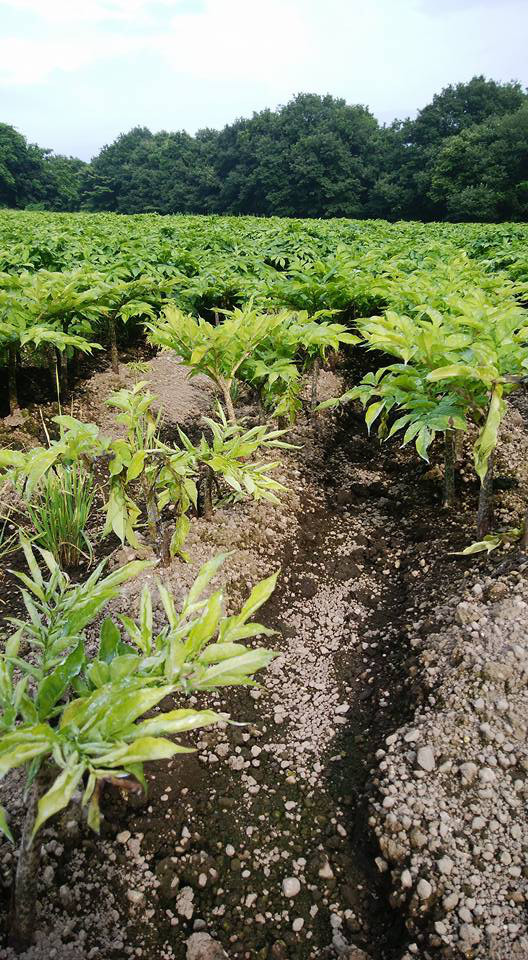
x=165, y=556
x=208, y=492
x=153, y=516
x=64, y=379
x=449, y=468
x=315, y=383
x=12, y=384
x=459, y=445
x=24, y=897
x=113, y=343
x=485, y=505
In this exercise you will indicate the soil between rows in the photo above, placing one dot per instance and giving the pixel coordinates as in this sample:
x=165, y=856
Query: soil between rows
x=364, y=566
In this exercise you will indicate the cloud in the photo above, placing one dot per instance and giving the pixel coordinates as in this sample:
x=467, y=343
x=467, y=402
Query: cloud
x=29, y=61
x=92, y=11
x=75, y=73
x=234, y=38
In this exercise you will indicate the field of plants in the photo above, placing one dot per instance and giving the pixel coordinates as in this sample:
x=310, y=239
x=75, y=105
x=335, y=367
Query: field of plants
x=320, y=422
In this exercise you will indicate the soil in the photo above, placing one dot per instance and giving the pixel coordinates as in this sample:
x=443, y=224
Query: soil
x=365, y=554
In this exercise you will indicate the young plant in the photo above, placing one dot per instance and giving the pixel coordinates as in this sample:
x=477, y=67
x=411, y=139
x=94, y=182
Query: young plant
x=216, y=351
x=160, y=474
x=227, y=455
x=60, y=511
x=69, y=742
x=458, y=366
x=123, y=300
x=297, y=345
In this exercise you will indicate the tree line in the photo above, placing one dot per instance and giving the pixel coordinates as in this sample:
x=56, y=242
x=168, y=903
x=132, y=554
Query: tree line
x=463, y=158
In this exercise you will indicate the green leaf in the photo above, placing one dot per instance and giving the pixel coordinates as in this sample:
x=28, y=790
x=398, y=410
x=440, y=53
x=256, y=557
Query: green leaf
x=181, y=530
x=136, y=465
x=4, y=826
x=109, y=642
x=175, y=721
x=487, y=438
x=59, y=794
x=480, y=546
x=141, y=751
x=423, y=441
x=260, y=593
x=452, y=370
x=241, y=667
x=373, y=411
x=216, y=652
x=207, y=625
x=94, y=813
x=52, y=687
x=206, y=574
x=125, y=707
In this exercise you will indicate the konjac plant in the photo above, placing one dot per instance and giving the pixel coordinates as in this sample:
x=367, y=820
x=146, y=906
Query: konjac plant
x=75, y=722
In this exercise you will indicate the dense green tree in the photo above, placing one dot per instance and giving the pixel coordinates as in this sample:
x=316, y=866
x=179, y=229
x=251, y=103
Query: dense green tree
x=31, y=176
x=463, y=157
x=482, y=174
x=142, y=172
x=312, y=157
x=20, y=166
x=455, y=109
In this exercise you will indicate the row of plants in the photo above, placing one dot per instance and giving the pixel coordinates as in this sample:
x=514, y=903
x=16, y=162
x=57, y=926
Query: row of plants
x=153, y=485
x=458, y=358
x=85, y=277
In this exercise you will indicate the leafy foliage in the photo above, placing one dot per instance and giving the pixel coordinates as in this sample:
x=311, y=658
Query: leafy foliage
x=82, y=716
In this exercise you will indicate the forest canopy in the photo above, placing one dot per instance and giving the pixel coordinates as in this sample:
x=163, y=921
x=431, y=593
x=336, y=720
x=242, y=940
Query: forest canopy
x=463, y=158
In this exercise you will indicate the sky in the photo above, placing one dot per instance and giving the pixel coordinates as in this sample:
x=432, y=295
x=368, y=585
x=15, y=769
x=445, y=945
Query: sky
x=76, y=73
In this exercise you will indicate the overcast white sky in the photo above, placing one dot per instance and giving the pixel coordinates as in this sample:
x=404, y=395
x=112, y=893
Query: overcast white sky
x=75, y=73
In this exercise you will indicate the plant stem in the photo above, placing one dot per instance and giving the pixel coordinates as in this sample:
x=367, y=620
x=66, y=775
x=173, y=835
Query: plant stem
x=459, y=445
x=153, y=517
x=315, y=383
x=208, y=492
x=165, y=556
x=64, y=372
x=485, y=505
x=13, y=395
x=113, y=343
x=226, y=391
x=449, y=468
x=24, y=897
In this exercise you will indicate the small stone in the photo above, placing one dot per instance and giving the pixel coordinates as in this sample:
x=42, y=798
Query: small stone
x=468, y=771
x=493, y=670
x=424, y=889
x=184, y=903
x=412, y=736
x=445, y=865
x=325, y=871
x=425, y=758
x=135, y=897
x=498, y=591
x=124, y=836
x=200, y=946
x=297, y=924
x=291, y=887
x=469, y=934
x=487, y=775
x=418, y=839
x=449, y=903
